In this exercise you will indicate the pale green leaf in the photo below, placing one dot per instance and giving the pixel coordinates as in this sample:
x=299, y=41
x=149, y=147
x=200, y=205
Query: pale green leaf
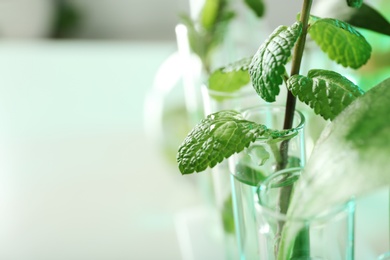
x=268, y=64
x=230, y=78
x=327, y=92
x=343, y=43
x=218, y=137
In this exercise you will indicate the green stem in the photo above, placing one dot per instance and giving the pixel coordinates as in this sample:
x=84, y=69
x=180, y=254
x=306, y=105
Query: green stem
x=296, y=62
x=296, y=65
x=290, y=105
x=295, y=68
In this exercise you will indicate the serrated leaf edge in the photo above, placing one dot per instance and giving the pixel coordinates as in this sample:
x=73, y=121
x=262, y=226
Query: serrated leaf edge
x=259, y=131
x=301, y=81
x=259, y=68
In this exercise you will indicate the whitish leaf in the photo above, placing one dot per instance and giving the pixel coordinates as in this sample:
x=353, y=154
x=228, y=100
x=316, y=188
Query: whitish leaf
x=350, y=159
x=217, y=137
x=230, y=78
x=352, y=154
x=341, y=42
x=355, y=3
x=371, y=125
x=327, y=92
x=268, y=64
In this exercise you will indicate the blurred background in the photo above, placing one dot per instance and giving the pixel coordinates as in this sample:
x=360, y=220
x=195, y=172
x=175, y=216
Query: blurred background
x=82, y=172
x=80, y=178
x=107, y=20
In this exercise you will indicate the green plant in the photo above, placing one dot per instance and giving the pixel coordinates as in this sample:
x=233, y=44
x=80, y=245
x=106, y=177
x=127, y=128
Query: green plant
x=328, y=93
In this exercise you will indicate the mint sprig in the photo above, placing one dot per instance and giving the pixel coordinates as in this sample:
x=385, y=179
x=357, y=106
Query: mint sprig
x=217, y=137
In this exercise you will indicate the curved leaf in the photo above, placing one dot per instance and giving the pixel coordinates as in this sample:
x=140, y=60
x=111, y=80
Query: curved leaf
x=230, y=78
x=267, y=67
x=368, y=18
x=341, y=42
x=215, y=138
x=365, y=17
x=327, y=92
x=218, y=137
x=355, y=3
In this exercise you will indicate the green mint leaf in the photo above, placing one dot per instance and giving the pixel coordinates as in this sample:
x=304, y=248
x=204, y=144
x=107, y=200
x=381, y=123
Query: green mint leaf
x=257, y=6
x=268, y=64
x=341, y=42
x=327, y=92
x=355, y=3
x=217, y=137
x=365, y=17
x=230, y=78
